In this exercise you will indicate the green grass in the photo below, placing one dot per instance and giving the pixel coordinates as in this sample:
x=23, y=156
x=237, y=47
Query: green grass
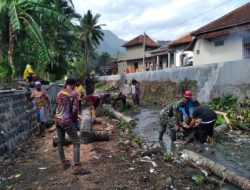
x=101, y=86
x=120, y=143
x=220, y=120
x=123, y=125
x=105, y=112
x=198, y=179
x=167, y=157
x=135, y=139
x=129, y=110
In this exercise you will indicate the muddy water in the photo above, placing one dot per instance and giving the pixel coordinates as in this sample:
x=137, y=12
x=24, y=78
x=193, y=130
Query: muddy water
x=231, y=151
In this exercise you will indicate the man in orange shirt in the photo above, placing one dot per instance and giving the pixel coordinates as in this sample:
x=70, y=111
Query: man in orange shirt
x=42, y=102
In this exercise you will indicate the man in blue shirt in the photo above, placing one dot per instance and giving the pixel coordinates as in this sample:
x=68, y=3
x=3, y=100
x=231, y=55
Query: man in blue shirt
x=187, y=109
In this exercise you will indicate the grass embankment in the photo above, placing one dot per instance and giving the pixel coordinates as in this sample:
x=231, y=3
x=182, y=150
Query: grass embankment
x=102, y=86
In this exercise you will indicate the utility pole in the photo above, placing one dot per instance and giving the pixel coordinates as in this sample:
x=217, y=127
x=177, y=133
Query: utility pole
x=144, y=47
x=117, y=55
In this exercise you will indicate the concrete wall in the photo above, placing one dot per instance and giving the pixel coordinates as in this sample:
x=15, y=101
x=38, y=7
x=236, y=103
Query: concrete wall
x=122, y=66
x=18, y=117
x=212, y=80
x=232, y=50
x=135, y=52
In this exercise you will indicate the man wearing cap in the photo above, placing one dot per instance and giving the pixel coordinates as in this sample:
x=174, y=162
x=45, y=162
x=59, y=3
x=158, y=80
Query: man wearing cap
x=188, y=109
x=42, y=102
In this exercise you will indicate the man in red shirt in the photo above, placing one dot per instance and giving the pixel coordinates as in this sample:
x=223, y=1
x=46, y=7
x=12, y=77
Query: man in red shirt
x=93, y=101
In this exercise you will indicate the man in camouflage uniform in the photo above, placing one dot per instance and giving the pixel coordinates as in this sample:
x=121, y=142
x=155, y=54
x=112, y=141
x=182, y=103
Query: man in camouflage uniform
x=169, y=117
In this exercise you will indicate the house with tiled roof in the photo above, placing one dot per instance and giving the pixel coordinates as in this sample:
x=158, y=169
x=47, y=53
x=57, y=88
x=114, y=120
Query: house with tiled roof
x=223, y=40
x=135, y=59
x=174, y=53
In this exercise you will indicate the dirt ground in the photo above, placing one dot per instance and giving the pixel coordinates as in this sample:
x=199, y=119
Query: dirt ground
x=115, y=164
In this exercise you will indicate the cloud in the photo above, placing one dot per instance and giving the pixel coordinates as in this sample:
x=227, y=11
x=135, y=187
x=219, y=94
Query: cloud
x=160, y=19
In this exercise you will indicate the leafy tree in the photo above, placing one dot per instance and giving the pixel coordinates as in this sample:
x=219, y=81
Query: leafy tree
x=104, y=58
x=22, y=16
x=62, y=38
x=90, y=34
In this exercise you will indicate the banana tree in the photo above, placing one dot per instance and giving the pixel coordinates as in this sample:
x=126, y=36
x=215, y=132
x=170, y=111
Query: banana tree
x=24, y=16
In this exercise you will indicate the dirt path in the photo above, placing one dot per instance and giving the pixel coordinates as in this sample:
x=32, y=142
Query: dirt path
x=36, y=166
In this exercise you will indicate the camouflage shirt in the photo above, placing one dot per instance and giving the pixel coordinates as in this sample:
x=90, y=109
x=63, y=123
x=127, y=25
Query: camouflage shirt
x=165, y=119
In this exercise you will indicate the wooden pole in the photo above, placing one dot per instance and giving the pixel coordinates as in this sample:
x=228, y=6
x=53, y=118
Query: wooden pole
x=117, y=114
x=86, y=126
x=218, y=169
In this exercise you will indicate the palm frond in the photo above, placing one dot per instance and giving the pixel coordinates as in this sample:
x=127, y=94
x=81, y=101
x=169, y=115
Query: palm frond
x=3, y=5
x=5, y=69
x=33, y=31
x=14, y=17
x=51, y=13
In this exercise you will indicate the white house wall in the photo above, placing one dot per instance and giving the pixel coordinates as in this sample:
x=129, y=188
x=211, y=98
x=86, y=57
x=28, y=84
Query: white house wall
x=179, y=54
x=232, y=50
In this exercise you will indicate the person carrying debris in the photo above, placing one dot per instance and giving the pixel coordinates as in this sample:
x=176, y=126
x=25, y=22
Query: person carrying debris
x=93, y=102
x=169, y=117
x=188, y=108
x=173, y=117
x=42, y=102
x=67, y=108
x=204, y=131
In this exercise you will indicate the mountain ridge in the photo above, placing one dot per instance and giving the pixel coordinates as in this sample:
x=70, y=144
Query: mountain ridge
x=111, y=44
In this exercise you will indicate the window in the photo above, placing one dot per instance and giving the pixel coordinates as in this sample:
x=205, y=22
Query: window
x=246, y=49
x=197, y=51
x=219, y=43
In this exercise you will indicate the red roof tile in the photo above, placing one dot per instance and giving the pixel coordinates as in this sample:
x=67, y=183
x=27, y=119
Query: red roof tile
x=181, y=40
x=139, y=40
x=239, y=16
x=224, y=32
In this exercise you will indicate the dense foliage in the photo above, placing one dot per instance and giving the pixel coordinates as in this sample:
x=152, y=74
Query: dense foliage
x=238, y=111
x=42, y=33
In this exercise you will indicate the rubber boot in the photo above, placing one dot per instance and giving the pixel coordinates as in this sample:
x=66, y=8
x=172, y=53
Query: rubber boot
x=93, y=112
x=172, y=134
x=161, y=135
x=42, y=129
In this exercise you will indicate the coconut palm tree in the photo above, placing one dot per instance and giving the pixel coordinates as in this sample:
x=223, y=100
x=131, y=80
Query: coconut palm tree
x=90, y=34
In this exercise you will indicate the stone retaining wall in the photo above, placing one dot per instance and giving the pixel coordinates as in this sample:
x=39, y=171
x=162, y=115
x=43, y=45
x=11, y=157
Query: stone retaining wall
x=18, y=117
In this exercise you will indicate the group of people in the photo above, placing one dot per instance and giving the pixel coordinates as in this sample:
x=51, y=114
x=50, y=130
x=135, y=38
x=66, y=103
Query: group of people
x=182, y=116
x=179, y=116
x=68, y=106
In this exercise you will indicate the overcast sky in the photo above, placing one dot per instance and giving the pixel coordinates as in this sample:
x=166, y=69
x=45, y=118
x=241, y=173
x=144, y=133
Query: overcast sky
x=160, y=19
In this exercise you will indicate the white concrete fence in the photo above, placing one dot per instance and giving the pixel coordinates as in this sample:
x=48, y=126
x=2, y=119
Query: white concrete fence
x=213, y=80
